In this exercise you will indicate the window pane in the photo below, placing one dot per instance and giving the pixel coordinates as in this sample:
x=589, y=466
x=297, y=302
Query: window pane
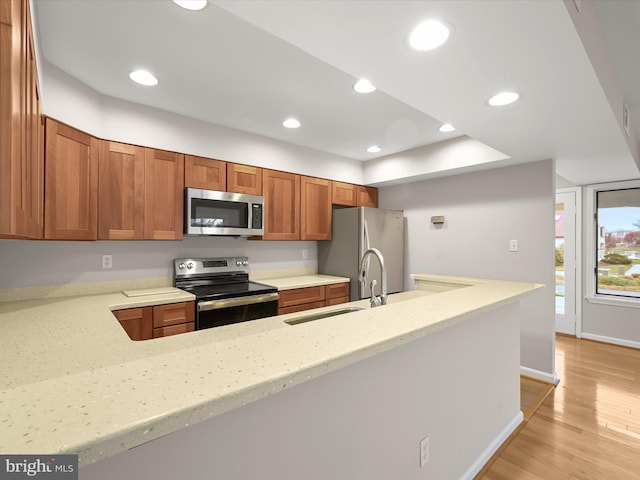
x=618, y=242
x=559, y=258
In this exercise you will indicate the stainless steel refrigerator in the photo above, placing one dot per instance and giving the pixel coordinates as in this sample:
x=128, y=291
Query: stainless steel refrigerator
x=354, y=231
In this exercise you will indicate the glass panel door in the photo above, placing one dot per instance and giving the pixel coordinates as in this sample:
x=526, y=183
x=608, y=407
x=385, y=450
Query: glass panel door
x=565, y=260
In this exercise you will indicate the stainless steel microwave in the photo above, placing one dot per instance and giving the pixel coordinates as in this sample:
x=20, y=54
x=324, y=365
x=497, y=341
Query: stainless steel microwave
x=209, y=212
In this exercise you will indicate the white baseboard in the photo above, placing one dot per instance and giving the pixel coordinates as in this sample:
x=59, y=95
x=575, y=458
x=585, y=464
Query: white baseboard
x=537, y=374
x=613, y=340
x=493, y=447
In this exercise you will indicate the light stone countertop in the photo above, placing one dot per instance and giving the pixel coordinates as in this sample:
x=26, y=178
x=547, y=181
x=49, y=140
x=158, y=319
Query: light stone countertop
x=71, y=381
x=302, y=281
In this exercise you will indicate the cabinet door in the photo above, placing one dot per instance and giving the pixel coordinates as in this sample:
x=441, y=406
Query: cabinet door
x=315, y=215
x=367, y=196
x=173, y=314
x=71, y=183
x=244, y=179
x=344, y=194
x=121, y=191
x=163, y=194
x=205, y=173
x=281, y=192
x=137, y=322
x=21, y=128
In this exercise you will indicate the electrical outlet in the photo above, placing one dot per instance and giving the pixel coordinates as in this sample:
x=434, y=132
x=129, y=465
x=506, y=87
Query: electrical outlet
x=305, y=254
x=513, y=245
x=424, y=451
x=107, y=261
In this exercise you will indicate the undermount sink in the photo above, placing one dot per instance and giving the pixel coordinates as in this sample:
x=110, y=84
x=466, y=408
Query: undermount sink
x=317, y=316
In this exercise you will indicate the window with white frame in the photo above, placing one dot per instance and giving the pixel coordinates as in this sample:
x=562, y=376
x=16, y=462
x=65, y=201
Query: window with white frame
x=615, y=240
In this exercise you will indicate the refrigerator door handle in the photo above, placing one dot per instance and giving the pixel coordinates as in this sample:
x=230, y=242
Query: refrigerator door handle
x=367, y=245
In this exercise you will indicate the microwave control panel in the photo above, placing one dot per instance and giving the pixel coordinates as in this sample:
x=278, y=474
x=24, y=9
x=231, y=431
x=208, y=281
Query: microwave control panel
x=256, y=215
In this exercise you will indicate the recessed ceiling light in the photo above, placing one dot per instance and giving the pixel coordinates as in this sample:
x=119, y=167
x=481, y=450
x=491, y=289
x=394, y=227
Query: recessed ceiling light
x=428, y=35
x=503, y=98
x=374, y=149
x=364, y=86
x=191, y=4
x=143, y=77
x=291, y=123
x=447, y=127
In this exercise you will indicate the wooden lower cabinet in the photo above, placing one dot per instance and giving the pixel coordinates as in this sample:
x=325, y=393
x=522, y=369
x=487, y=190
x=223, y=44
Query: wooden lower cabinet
x=137, y=322
x=337, y=293
x=144, y=323
x=300, y=299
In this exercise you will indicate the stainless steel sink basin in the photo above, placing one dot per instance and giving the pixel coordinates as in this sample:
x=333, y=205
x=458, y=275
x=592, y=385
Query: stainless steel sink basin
x=317, y=316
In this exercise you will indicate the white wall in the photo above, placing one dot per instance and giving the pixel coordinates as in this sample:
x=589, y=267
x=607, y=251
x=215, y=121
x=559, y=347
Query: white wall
x=70, y=101
x=483, y=211
x=36, y=263
x=361, y=422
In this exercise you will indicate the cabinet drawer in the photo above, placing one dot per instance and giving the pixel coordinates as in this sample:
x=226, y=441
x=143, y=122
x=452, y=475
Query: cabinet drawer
x=173, y=314
x=173, y=330
x=337, y=290
x=338, y=300
x=300, y=308
x=298, y=296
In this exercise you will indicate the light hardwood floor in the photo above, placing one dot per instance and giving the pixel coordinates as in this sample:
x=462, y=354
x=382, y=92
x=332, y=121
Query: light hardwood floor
x=588, y=427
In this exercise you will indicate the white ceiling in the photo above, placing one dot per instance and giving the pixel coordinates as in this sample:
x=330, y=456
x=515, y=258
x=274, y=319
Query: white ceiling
x=251, y=64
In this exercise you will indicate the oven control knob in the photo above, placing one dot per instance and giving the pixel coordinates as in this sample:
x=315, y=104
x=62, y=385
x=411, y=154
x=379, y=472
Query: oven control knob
x=245, y=263
x=238, y=263
x=190, y=265
x=181, y=266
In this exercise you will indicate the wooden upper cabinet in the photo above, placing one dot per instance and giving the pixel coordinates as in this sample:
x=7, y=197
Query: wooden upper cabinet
x=244, y=179
x=344, y=194
x=71, y=183
x=121, y=191
x=163, y=194
x=281, y=192
x=367, y=197
x=205, y=173
x=21, y=126
x=315, y=204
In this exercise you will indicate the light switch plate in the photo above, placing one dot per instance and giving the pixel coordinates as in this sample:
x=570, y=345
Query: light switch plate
x=513, y=245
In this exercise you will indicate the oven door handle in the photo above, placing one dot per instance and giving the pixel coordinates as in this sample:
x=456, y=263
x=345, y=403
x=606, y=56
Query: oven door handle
x=237, y=302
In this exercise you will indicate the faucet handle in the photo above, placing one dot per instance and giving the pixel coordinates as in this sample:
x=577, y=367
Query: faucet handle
x=375, y=300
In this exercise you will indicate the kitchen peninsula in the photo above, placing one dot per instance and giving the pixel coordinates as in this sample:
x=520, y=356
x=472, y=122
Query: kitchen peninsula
x=349, y=396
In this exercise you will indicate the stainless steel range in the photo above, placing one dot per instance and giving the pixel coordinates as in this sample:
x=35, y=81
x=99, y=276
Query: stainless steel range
x=224, y=293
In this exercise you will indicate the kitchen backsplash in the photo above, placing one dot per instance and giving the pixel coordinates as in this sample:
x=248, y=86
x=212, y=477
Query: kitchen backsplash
x=44, y=263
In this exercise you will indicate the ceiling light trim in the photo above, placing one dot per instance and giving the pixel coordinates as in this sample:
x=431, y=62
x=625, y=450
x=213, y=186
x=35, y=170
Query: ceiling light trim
x=504, y=98
x=291, y=123
x=429, y=35
x=144, y=77
x=193, y=5
x=364, y=86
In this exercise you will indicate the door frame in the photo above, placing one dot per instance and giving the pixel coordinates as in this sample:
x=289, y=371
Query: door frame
x=577, y=191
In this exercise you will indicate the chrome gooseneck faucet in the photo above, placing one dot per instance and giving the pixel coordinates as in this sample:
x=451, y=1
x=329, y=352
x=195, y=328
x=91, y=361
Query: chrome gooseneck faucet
x=376, y=301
